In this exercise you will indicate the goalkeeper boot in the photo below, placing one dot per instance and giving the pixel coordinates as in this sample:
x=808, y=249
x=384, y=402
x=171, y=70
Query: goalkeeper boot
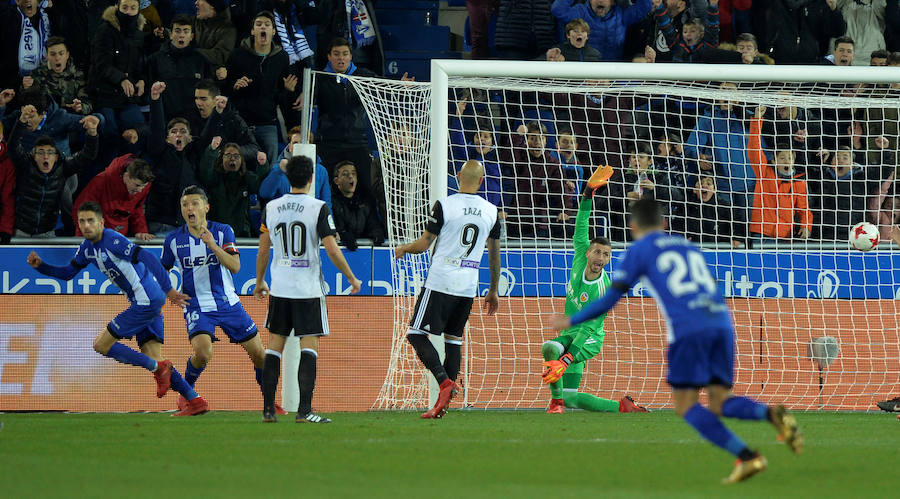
x=892, y=405
x=195, y=407
x=449, y=389
x=163, y=376
x=627, y=405
x=557, y=406
x=311, y=417
x=788, y=431
x=745, y=469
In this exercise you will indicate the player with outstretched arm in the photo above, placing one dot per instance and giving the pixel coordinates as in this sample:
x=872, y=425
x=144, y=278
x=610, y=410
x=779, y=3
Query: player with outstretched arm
x=565, y=355
x=206, y=255
x=142, y=278
x=294, y=225
x=699, y=333
x=463, y=224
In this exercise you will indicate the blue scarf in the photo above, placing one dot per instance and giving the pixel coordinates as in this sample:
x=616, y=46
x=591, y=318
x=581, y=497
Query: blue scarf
x=32, y=43
x=293, y=39
x=350, y=70
x=362, y=31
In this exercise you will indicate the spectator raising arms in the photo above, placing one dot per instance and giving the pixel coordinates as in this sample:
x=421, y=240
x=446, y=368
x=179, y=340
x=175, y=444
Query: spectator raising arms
x=276, y=183
x=780, y=205
x=120, y=190
x=608, y=22
x=41, y=174
x=217, y=119
x=45, y=118
x=60, y=79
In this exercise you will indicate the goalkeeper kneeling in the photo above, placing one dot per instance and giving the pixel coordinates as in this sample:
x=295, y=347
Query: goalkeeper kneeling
x=565, y=355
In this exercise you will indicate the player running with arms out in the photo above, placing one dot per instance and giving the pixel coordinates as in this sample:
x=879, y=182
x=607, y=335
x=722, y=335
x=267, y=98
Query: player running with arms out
x=140, y=276
x=566, y=354
x=294, y=225
x=463, y=224
x=700, y=336
x=206, y=256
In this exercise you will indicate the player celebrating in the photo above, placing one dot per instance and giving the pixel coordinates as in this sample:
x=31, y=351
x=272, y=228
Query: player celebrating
x=700, y=336
x=299, y=222
x=565, y=355
x=206, y=255
x=141, y=277
x=463, y=223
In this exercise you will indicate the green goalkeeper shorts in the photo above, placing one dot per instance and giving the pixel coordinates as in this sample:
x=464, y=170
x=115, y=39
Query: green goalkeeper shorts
x=588, y=344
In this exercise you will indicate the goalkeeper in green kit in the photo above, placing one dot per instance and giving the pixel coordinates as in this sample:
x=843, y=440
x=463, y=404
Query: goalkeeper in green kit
x=565, y=355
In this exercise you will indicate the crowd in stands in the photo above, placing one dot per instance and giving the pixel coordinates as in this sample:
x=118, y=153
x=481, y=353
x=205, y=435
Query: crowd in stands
x=127, y=102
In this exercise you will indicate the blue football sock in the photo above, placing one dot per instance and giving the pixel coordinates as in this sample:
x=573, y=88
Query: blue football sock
x=258, y=371
x=127, y=355
x=181, y=386
x=708, y=425
x=744, y=408
x=191, y=373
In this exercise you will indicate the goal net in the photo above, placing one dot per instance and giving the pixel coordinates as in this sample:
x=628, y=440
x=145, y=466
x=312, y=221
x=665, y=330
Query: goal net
x=768, y=171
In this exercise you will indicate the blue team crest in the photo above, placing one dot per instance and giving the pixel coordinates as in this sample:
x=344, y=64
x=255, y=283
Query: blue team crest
x=584, y=297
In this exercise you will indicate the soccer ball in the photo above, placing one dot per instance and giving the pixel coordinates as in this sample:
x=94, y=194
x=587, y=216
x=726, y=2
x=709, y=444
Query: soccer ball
x=864, y=236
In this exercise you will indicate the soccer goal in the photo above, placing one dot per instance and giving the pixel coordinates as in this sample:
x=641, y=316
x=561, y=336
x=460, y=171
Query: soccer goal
x=768, y=167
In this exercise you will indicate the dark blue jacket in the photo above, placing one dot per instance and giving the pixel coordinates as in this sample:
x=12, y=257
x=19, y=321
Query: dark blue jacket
x=607, y=32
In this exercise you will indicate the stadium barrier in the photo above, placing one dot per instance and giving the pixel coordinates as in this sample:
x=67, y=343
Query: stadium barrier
x=46, y=360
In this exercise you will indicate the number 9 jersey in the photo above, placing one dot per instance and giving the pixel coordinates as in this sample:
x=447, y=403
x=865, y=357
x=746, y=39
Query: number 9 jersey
x=462, y=223
x=296, y=224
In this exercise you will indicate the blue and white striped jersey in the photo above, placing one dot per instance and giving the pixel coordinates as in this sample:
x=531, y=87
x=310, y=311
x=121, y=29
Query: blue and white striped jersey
x=116, y=257
x=204, y=279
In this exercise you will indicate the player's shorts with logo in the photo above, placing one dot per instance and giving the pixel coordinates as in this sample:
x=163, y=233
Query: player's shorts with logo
x=234, y=322
x=439, y=313
x=143, y=322
x=701, y=359
x=304, y=316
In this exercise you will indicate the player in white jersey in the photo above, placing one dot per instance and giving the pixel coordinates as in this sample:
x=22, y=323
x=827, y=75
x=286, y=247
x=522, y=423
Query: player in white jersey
x=294, y=225
x=206, y=255
x=463, y=224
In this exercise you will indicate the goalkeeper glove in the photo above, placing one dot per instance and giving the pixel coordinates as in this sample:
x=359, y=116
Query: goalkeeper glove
x=598, y=179
x=554, y=369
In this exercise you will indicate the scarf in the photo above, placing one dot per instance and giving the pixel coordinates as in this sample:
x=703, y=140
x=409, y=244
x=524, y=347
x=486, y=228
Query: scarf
x=350, y=70
x=293, y=39
x=32, y=42
x=362, y=31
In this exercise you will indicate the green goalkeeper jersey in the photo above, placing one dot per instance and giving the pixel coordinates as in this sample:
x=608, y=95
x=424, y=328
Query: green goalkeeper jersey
x=580, y=291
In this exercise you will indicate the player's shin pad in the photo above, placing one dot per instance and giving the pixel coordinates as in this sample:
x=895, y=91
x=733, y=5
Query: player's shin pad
x=554, y=369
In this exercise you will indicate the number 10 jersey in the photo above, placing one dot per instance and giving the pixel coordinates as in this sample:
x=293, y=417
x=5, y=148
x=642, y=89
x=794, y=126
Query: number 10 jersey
x=296, y=224
x=462, y=223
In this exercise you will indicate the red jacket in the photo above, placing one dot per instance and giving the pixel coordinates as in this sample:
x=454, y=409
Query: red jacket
x=780, y=206
x=122, y=212
x=7, y=187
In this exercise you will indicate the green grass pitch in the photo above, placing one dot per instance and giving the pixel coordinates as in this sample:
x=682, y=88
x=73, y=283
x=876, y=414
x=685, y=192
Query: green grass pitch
x=467, y=454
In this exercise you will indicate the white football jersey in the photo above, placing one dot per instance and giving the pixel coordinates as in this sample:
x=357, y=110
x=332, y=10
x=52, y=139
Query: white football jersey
x=296, y=224
x=463, y=223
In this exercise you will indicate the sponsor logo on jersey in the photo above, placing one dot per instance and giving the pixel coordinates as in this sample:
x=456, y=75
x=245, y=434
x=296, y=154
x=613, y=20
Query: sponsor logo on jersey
x=583, y=297
x=299, y=263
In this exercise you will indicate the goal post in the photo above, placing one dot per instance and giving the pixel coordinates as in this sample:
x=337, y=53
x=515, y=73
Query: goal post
x=700, y=127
